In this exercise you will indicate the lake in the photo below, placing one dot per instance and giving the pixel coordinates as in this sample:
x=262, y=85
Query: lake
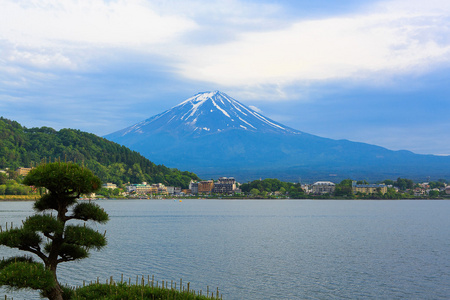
x=270, y=249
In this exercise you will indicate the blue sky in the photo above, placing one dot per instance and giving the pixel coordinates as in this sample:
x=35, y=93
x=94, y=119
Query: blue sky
x=369, y=71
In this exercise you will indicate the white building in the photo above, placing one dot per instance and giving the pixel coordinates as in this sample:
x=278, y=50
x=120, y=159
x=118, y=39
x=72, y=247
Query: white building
x=323, y=187
x=193, y=186
x=109, y=185
x=170, y=190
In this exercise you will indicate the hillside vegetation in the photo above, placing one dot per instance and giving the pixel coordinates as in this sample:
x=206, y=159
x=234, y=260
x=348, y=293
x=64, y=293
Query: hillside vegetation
x=23, y=147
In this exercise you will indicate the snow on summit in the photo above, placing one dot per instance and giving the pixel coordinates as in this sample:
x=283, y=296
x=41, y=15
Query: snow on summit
x=209, y=112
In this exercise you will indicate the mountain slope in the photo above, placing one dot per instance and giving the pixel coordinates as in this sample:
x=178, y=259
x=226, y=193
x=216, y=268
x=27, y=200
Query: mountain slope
x=213, y=135
x=205, y=113
x=22, y=147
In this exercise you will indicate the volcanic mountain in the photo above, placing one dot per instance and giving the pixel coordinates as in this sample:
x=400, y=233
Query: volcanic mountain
x=214, y=135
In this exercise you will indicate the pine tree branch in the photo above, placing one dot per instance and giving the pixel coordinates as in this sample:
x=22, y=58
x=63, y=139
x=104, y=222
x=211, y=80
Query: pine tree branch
x=36, y=251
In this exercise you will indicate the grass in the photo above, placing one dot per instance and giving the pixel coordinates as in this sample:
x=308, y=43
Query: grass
x=142, y=289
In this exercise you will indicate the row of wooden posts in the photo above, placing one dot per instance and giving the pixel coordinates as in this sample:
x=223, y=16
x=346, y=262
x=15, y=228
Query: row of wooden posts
x=164, y=285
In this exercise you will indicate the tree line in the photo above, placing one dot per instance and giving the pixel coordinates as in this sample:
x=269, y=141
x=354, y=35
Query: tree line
x=401, y=188
x=262, y=188
x=27, y=147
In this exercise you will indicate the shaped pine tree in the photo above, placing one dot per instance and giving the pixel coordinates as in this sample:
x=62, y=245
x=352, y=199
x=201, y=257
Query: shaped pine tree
x=50, y=237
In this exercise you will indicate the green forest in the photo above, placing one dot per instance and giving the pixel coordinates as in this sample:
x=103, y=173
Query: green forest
x=28, y=147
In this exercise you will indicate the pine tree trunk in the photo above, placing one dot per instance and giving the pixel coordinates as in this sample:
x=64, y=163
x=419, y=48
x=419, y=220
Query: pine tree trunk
x=55, y=293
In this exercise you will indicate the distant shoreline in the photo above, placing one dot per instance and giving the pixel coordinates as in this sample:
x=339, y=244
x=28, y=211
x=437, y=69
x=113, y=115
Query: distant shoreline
x=4, y=199
x=18, y=198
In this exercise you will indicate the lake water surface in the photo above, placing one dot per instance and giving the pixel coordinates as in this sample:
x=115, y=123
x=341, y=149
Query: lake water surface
x=270, y=249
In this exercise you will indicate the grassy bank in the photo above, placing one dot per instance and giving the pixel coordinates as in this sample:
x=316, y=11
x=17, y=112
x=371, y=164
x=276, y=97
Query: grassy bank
x=125, y=291
x=144, y=288
x=18, y=197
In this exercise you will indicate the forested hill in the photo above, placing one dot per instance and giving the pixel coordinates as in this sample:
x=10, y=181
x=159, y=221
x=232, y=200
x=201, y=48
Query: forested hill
x=23, y=147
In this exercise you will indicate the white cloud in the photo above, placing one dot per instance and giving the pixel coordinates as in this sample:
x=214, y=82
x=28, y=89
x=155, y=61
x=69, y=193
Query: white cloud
x=40, y=60
x=248, y=47
x=391, y=39
x=45, y=26
x=111, y=23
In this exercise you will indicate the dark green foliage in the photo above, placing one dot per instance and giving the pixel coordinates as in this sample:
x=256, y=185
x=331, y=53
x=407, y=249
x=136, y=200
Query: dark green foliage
x=22, y=147
x=3, y=178
x=68, y=293
x=269, y=185
x=20, y=238
x=124, y=291
x=110, y=193
x=404, y=184
x=45, y=202
x=84, y=236
x=65, y=182
x=6, y=261
x=434, y=194
x=43, y=223
x=69, y=252
x=11, y=187
x=436, y=184
x=21, y=272
x=90, y=211
x=344, y=189
x=388, y=182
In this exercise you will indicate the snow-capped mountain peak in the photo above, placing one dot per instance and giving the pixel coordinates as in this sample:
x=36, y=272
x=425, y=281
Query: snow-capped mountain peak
x=212, y=134
x=209, y=112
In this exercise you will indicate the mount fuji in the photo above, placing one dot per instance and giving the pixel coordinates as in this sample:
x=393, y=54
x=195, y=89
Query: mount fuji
x=214, y=135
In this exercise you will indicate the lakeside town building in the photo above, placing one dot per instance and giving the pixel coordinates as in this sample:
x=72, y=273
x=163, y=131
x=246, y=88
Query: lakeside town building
x=225, y=185
x=229, y=186
x=369, y=188
x=109, y=185
x=23, y=171
x=193, y=187
x=323, y=187
x=174, y=190
x=205, y=187
x=144, y=188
